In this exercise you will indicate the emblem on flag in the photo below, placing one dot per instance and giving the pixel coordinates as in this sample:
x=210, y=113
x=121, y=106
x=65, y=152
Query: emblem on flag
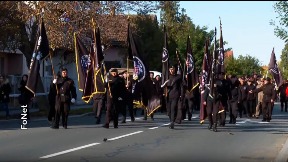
x=139, y=68
x=189, y=63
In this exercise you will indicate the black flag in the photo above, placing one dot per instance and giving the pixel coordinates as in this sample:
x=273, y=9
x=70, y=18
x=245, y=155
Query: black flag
x=192, y=76
x=274, y=69
x=82, y=61
x=204, y=81
x=150, y=99
x=165, y=61
x=41, y=51
x=220, y=59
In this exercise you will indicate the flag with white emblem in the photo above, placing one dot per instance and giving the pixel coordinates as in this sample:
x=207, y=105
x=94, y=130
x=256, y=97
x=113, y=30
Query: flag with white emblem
x=274, y=69
x=41, y=51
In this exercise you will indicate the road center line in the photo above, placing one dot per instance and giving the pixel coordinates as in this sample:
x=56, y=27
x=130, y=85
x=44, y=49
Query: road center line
x=67, y=151
x=115, y=138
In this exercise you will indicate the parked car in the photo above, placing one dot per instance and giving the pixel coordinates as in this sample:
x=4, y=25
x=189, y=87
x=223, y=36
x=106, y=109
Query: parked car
x=157, y=73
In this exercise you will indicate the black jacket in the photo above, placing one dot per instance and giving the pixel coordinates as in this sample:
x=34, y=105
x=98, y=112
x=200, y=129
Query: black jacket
x=5, y=90
x=66, y=88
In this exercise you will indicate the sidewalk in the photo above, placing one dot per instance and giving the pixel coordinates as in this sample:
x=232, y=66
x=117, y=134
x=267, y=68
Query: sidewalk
x=17, y=111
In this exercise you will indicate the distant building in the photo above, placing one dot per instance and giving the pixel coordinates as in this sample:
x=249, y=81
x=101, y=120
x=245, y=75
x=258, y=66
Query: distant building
x=228, y=54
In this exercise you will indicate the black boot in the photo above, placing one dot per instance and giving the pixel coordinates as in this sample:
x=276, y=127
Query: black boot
x=171, y=126
x=234, y=120
x=97, y=120
x=231, y=120
x=210, y=126
x=215, y=127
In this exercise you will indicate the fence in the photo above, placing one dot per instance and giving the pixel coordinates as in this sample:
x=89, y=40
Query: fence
x=15, y=84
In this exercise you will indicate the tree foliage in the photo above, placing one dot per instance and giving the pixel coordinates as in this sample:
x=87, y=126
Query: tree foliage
x=179, y=26
x=283, y=65
x=281, y=8
x=62, y=19
x=243, y=65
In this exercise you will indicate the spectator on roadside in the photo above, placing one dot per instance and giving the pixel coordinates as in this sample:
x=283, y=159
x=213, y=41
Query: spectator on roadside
x=5, y=90
x=25, y=95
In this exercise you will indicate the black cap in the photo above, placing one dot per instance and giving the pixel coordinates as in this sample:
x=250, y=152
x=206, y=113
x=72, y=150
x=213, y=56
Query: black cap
x=173, y=66
x=268, y=79
x=114, y=70
x=64, y=69
x=122, y=72
x=222, y=73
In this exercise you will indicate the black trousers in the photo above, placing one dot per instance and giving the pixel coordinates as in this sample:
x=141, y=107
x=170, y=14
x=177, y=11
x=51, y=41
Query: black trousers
x=112, y=111
x=190, y=104
x=212, y=111
x=51, y=114
x=243, y=108
x=62, y=108
x=251, y=107
x=172, y=108
x=222, y=115
x=283, y=103
x=129, y=104
x=267, y=110
x=233, y=109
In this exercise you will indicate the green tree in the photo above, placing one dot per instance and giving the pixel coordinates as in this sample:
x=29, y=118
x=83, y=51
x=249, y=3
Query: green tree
x=179, y=26
x=281, y=8
x=283, y=65
x=243, y=65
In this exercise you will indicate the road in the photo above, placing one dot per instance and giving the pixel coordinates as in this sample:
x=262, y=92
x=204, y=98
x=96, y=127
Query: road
x=247, y=140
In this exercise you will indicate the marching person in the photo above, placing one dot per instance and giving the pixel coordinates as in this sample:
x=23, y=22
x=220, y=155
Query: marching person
x=67, y=94
x=259, y=98
x=234, y=100
x=269, y=96
x=283, y=97
x=128, y=97
x=215, y=100
x=115, y=97
x=151, y=74
x=174, y=86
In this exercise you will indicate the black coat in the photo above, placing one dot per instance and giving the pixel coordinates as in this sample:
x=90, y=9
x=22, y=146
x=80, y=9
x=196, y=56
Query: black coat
x=66, y=89
x=174, y=86
x=5, y=90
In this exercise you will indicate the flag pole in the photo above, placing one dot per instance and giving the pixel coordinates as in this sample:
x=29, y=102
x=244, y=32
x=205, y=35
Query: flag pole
x=53, y=71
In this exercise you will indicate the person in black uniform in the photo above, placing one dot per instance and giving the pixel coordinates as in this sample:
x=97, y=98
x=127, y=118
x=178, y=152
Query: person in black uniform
x=174, y=86
x=234, y=100
x=189, y=101
x=52, y=99
x=251, y=98
x=115, y=98
x=128, y=97
x=243, y=97
x=283, y=98
x=66, y=94
x=225, y=93
x=214, y=100
x=269, y=96
x=151, y=74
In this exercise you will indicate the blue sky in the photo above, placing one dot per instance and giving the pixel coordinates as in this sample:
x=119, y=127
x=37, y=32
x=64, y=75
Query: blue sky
x=245, y=25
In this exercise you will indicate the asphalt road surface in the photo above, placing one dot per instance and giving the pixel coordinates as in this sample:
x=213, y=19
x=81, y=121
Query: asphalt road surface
x=249, y=140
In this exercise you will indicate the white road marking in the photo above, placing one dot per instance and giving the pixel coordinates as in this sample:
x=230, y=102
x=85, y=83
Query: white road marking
x=67, y=151
x=115, y=138
x=153, y=128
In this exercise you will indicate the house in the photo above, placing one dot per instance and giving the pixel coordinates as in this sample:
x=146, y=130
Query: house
x=114, y=42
